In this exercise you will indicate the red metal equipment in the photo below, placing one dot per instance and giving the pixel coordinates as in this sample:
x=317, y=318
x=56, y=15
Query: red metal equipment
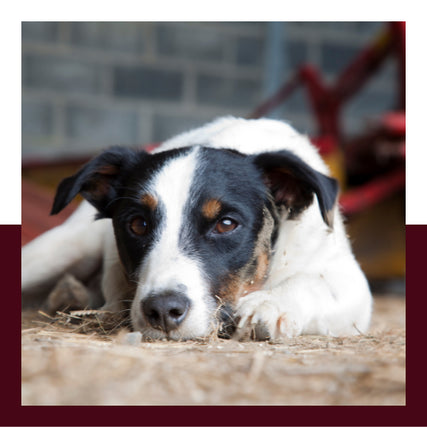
x=370, y=166
x=381, y=149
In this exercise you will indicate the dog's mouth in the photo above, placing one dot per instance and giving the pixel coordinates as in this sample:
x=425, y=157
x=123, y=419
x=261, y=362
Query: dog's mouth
x=171, y=317
x=227, y=324
x=150, y=334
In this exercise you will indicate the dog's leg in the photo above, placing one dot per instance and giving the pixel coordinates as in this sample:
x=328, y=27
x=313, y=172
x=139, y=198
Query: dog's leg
x=117, y=292
x=74, y=247
x=326, y=304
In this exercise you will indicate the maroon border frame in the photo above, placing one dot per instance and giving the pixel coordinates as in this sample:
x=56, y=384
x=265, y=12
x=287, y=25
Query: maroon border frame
x=13, y=414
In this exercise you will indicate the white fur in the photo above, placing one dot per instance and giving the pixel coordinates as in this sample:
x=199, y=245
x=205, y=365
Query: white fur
x=166, y=266
x=314, y=285
x=65, y=248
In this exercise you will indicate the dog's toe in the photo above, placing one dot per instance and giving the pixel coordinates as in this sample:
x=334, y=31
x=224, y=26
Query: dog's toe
x=262, y=318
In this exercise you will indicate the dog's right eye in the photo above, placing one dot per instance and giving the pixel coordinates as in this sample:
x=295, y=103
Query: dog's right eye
x=138, y=226
x=225, y=225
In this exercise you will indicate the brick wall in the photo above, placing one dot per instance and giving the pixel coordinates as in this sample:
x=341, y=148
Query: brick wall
x=87, y=85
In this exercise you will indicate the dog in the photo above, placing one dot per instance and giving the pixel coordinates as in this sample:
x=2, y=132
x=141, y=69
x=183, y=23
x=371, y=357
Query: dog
x=231, y=227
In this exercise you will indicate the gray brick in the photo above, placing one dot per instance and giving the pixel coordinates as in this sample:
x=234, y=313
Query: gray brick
x=320, y=27
x=303, y=123
x=229, y=92
x=40, y=146
x=389, y=72
x=364, y=31
x=250, y=51
x=40, y=31
x=62, y=74
x=101, y=126
x=191, y=41
x=37, y=118
x=295, y=54
x=120, y=36
x=150, y=83
x=166, y=125
x=369, y=26
x=369, y=102
x=240, y=26
x=336, y=57
x=53, y=123
x=297, y=102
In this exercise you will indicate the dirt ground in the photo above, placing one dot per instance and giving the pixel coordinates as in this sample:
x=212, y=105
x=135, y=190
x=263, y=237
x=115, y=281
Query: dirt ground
x=61, y=366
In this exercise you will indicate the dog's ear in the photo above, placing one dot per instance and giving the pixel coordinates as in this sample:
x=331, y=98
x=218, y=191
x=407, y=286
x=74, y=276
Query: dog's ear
x=98, y=180
x=293, y=182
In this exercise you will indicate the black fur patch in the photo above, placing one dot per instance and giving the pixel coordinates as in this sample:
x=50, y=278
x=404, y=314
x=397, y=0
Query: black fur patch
x=293, y=183
x=245, y=187
x=232, y=179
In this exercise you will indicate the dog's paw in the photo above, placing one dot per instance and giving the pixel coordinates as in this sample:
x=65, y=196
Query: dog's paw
x=262, y=317
x=68, y=294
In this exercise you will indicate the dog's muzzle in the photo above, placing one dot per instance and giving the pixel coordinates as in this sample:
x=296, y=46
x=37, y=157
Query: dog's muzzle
x=165, y=311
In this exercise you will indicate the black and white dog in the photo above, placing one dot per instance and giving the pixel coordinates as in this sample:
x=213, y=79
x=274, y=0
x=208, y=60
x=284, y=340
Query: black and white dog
x=235, y=223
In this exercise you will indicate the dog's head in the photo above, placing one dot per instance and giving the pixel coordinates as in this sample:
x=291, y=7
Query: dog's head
x=195, y=227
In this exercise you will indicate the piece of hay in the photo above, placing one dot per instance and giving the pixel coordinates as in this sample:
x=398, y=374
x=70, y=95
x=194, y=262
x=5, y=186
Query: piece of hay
x=88, y=321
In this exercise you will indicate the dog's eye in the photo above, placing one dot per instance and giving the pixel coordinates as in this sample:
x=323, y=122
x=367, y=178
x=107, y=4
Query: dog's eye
x=225, y=225
x=138, y=226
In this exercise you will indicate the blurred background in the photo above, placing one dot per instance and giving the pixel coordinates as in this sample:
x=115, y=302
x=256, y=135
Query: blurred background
x=89, y=85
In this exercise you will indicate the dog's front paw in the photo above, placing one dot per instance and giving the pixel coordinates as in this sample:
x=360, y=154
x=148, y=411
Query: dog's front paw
x=262, y=316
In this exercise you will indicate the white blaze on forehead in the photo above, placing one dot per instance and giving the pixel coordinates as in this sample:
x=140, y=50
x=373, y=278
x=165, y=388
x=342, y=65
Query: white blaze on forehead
x=166, y=267
x=172, y=186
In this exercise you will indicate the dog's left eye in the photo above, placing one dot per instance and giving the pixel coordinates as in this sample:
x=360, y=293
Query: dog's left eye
x=138, y=226
x=225, y=225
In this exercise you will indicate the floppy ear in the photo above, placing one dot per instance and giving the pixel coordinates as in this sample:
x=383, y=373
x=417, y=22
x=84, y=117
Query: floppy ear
x=98, y=180
x=293, y=182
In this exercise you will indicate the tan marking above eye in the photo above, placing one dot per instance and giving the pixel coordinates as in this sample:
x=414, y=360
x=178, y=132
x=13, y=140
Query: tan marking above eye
x=211, y=208
x=149, y=200
x=107, y=170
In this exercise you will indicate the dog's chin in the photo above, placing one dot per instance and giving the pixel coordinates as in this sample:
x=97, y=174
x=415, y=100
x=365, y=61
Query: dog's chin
x=220, y=323
x=201, y=322
x=183, y=333
x=151, y=334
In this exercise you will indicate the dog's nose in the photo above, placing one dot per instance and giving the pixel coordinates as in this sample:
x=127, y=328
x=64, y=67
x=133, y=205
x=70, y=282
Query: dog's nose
x=165, y=311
